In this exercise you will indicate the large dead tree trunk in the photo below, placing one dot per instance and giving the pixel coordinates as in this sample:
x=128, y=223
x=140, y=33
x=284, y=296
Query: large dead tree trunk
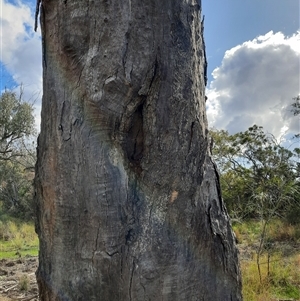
x=128, y=198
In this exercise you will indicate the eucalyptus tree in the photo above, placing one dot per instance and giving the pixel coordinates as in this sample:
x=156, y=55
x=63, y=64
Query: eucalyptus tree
x=296, y=105
x=16, y=191
x=296, y=109
x=16, y=124
x=17, y=158
x=259, y=176
x=128, y=198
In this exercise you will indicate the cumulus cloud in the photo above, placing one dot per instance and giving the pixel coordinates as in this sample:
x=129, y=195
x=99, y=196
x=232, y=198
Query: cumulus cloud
x=21, y=49
x=255, y=84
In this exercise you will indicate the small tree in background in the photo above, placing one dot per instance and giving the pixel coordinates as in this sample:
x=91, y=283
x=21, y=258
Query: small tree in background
x=16, y=124
x=16, y=190
x=253, y=164
x=259, y=177
x=296, y=109
x=17, y=155
x=296, y=105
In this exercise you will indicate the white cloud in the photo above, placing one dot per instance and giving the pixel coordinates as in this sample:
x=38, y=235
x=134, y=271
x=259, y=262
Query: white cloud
x=255, y=85
x=21, y=49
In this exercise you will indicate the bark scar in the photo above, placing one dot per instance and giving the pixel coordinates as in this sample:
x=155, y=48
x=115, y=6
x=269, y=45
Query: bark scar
x=134, y=147
x=131, y=280
x=204, y=51
x=191, y=136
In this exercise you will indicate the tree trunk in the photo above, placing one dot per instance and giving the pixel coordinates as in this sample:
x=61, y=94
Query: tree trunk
x=128, y=198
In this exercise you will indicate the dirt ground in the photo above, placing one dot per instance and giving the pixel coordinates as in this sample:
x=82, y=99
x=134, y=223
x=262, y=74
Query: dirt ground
x=17, y=279
x=18, y=282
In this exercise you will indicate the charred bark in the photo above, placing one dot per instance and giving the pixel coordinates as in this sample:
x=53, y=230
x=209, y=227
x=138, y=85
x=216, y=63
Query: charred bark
x=128, y=198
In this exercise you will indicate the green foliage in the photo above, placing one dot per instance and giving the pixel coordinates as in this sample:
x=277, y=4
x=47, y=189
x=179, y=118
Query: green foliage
x=17, y=156
x=280, y=280
x=296, y=105
x=296, y=109
x=16, y=123
x=293, y=215
x=17, y=240
x=259, y=177
x=247, y=232
x=16, y=194
x=279, y=277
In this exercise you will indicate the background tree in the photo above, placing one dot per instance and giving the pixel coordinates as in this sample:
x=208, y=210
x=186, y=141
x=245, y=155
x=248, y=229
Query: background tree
x=296, y=109
x=254, y=165
x=129, y=206
x=16, y=191
x=296, y=105
x=16, y=123
x=259, y=177
x=17, y=156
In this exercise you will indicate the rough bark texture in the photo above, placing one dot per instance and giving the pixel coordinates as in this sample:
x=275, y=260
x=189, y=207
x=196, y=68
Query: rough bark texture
x=128, y=198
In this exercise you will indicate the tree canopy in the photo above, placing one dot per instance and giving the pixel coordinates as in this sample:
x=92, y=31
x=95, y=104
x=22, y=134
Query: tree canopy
x=296, y=105
x=16, y=123
x=296, y=109
x=17, y=155
x=259, y=177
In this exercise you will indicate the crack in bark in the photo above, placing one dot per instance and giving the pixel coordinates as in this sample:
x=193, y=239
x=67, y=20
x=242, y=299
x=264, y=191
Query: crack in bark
x=223, y=253
x=204, y=52
x=112, y=254
x=135, y=147
x=143, y=289
x=218, y=186
x=96, y=243
x=61, y=126
x=149, y=79
x=191, y=136
x=150, y=213
x=105, y=195
x=131, y=279
x=219, y=236
x=134, y=143
x=80, y=74
x=154, y=72
x=208, y=213
x=124, y=58
x=121, y=264
x=126, y=67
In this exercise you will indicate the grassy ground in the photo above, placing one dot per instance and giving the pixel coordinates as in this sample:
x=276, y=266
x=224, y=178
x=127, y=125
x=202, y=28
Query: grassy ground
x=279, y=262
x=279, y=277
x=17, y=240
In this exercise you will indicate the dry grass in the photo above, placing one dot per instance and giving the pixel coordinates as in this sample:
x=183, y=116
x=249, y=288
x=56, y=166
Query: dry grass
x=279, y=263
x=16, y=240
x=281, y=280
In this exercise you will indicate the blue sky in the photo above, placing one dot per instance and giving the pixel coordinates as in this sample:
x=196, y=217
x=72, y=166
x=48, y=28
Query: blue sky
x=231, y=22
x=253, y=51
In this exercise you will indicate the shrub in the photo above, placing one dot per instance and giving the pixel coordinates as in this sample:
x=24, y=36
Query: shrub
x=293, y=215
x=24, y=283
